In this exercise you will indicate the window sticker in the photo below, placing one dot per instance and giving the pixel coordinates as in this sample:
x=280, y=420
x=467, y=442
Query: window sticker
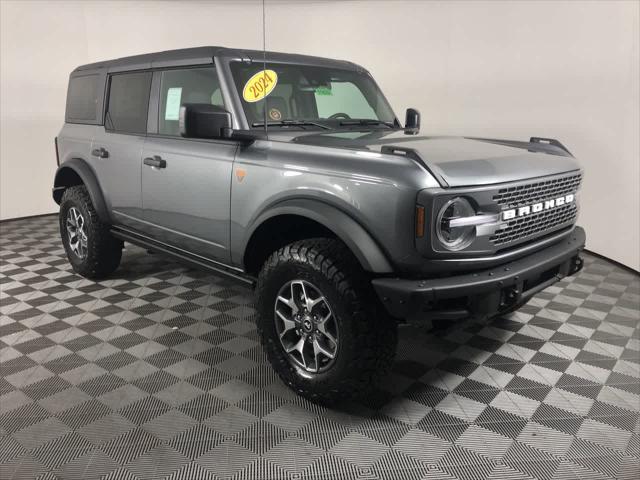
x=323, y=90
x=275, y=114
x=172, y=109
x=259, y=85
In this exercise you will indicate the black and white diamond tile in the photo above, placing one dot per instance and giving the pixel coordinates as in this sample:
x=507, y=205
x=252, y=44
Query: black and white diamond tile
x=157, y=372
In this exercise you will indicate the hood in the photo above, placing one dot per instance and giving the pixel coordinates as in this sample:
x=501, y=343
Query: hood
x=454, y=161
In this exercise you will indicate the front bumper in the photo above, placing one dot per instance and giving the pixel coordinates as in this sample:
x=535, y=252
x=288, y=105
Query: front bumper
x=487, y=292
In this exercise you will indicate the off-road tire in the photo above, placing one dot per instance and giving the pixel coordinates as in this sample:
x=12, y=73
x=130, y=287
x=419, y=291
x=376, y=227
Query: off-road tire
x=103, y=250
x=367, y=335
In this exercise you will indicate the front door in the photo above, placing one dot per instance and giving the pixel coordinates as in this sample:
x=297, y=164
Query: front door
x=117, y=147
x=186, y=183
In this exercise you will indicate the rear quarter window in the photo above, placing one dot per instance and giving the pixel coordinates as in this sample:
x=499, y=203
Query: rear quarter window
x=82, y=98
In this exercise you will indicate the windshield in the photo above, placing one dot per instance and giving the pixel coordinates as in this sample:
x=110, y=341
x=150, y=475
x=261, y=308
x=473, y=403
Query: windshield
x=309, y=96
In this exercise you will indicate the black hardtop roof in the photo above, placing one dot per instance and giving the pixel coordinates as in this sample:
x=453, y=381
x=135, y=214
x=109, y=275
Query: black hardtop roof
x=204, y=55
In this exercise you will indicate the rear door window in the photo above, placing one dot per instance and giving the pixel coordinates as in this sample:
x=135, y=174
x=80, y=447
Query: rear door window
x=189, y=85
x=128, y=102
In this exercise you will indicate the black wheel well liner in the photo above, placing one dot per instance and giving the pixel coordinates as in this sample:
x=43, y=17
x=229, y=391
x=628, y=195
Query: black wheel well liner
x=300, y=219
x=276, y=232
x=77, y=171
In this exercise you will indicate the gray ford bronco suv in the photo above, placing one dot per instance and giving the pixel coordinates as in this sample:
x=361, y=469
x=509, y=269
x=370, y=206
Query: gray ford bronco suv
x=292, y=174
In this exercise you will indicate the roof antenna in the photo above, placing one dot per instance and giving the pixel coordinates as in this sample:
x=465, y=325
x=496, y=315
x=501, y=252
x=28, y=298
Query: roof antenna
x=264, y=61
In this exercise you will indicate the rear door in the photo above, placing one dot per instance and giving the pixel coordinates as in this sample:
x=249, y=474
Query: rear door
x=186, y=182
x=117, y=146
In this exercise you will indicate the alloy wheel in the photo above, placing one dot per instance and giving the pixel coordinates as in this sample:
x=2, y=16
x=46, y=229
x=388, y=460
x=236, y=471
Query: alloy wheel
x=306, y=326
x=76, y=234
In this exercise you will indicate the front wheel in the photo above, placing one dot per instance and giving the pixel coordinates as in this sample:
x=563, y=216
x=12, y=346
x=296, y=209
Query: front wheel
x=320, y=322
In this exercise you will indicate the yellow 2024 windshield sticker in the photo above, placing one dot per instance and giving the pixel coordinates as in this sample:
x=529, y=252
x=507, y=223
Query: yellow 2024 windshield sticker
x=259, y=85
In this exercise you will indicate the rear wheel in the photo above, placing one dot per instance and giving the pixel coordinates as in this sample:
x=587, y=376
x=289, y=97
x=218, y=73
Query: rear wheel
x=320, y=322
x=92, y=251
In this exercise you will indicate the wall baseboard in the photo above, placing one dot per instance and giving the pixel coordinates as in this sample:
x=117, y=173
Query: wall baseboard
x=617, y=264
x=6, y=220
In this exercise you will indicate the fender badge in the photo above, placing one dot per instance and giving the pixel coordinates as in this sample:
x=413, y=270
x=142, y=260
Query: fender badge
x=240, y=174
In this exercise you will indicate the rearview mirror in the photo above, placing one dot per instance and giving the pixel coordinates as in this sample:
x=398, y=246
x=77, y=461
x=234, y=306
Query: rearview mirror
x=202, y=120
x=412, y=122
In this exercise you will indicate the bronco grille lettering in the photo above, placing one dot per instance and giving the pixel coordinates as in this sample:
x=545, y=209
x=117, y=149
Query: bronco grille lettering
x=537, y=207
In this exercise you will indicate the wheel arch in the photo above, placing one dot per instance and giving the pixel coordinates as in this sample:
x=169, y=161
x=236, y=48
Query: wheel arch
x=77, y=171
x=310, y=218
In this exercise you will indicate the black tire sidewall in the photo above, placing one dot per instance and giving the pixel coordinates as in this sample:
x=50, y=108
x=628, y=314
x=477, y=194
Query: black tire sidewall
x=346, y=355
x=103, y=251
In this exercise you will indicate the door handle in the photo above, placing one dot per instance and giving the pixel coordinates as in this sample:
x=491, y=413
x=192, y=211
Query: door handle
x=100, y=153
x=155, y=161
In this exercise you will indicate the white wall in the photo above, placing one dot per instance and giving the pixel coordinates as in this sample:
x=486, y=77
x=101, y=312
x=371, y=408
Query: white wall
x=568, y=70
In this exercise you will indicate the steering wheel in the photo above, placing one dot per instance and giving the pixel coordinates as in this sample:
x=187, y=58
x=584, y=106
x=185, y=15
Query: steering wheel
x=339, y=115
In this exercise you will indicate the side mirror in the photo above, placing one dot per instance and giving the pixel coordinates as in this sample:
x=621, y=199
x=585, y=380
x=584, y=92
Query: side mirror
x=412, y=122
x=202, y=120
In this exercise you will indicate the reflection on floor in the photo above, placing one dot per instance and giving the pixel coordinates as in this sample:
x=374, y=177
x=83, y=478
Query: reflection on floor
x=157, y=372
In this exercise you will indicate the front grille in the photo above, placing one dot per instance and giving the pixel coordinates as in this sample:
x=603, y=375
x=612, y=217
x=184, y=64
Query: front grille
x=529, y=193
x=540, y=223
x=536, y=224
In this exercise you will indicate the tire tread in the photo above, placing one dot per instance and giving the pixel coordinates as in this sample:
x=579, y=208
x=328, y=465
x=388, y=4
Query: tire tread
x=374, y=333
x=104, y=251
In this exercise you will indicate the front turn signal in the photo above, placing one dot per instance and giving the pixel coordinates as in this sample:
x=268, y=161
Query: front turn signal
x=419, y=221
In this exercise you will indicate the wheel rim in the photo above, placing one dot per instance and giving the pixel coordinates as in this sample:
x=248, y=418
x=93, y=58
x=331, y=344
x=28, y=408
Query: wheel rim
x=306, y=326
x=75, y=233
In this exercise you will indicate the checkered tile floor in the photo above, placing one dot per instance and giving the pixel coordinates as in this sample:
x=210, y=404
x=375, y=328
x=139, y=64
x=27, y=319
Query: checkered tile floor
x=157, y=373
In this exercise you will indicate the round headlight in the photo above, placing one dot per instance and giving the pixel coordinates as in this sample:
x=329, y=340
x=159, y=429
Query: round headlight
x=451, y=236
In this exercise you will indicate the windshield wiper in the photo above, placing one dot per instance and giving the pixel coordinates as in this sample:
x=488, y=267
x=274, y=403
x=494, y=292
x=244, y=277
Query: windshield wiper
x=292, y=123
x=366, y=121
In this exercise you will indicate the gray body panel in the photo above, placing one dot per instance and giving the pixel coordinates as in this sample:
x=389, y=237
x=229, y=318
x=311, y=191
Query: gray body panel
x=350, y=181
x=457, y=161
x=376, y=191
x=74, y=147
x=74, y=141
x=120, y=174
x=187, y=203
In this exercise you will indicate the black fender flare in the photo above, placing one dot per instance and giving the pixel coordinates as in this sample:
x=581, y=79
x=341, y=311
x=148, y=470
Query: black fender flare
x=360, y=242
x=83, y=170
